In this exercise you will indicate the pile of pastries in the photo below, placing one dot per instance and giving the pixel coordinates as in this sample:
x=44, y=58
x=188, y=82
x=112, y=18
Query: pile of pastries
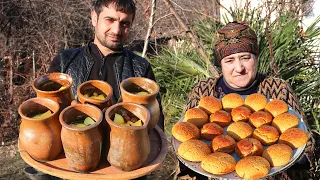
x=262, y=134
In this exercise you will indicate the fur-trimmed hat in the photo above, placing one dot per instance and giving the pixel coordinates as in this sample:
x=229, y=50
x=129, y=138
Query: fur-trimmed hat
x=234, y=38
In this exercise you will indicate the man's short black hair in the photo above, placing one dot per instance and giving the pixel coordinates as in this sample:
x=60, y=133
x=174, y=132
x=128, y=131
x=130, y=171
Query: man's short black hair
x=126, y=6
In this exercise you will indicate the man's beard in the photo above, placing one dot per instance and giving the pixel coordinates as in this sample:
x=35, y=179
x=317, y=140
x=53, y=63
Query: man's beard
x=110, y=44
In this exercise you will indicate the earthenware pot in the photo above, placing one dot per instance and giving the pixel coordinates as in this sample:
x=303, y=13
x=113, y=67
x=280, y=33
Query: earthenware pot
x=55, y=86
x=129, y=145
x=95, y=86
x=129, y=89
x=82, y=145
x=40, y=137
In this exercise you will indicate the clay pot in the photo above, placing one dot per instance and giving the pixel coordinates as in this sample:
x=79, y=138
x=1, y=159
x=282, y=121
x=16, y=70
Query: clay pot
x=91, y=86
x=40, y=137
x=82, y=146
x=48, y=86
x=129, y=145
x=129, y=87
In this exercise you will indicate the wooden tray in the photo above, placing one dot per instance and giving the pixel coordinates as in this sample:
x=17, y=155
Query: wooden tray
x=60, y=167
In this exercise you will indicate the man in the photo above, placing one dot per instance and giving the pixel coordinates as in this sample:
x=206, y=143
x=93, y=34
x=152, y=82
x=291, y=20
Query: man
x=236, y=52
x=105, y=58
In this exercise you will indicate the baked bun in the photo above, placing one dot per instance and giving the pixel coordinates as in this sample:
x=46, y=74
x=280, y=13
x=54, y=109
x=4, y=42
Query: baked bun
x=219, y=163
x=248, y=147
x=240, y=113
x=294, y=137
x=194, y=150
x=231, y=101
x=256, y=102
x=196, y=116
x=252, y=167
x=210, y=104
x=266, y=134
x=223, y=143
x=211, y=130
x=285, y=121
x=278, y=154
x=239, y=130
x=221, y=117
x=260, y=118
x=184, y=131
x=276, y=107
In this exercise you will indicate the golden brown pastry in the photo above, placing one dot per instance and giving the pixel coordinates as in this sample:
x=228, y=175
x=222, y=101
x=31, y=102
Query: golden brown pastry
x=240, y=113
x=218, y=163
x=252, y=167
x=239, y=130
x=211, y=130
x=231, y=101
x=194, y=150
x=223, y=143
x=196, y=116
x=294, y=137
x=221, y=117
x=256, y=102
x=285, y=121
x=276, y=107
x=210, y=104
x=260, y=118
x=184, y=131
x=248, y=147
x=278, y=154
x=266, y=134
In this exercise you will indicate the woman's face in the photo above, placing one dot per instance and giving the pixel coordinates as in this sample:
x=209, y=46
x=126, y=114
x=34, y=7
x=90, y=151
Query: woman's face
x=239, y=70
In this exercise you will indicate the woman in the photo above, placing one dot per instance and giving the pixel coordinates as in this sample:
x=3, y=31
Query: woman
x=236, y=52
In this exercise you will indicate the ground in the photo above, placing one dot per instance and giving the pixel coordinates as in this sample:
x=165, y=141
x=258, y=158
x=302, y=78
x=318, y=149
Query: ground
x=12, y=165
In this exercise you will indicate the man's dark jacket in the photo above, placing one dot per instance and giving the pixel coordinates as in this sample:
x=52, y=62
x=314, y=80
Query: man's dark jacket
x=78, y=63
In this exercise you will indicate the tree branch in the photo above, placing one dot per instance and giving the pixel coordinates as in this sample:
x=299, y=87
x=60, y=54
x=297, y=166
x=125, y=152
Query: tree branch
x=150, y=27
x=194, y=40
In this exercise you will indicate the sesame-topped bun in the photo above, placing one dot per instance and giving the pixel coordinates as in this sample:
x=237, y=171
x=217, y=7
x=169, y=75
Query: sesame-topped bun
x=278, y=154
x=223, y=143
x=219, y=163
x=239, y=130
x=221, y=117
x=248, y=147
x=294, y=137
x=196, y=116
x=260, y=118
x=266, y=134
x=211, y=130
x=194, y=150
x=256, y=102
x=231, y=101
x=276, y=107
x=252, y=167
x=210, y=104
x=285, y=121
x=184, y=131
x=240, y=113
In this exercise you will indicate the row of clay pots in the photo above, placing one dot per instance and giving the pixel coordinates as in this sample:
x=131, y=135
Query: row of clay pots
x=126, y=147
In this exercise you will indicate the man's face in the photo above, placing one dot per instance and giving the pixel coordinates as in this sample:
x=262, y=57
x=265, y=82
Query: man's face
x=240, y=69
x=111, y=27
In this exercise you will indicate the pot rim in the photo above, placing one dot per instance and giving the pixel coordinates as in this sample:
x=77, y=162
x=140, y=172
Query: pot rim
x=109, y=95
x=67, y=126
x=154, y=93
x=38, y=99
x=145, y=124
x=67, y=77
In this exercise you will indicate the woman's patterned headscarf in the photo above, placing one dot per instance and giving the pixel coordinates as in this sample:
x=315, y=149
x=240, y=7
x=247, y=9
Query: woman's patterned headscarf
x=234, y=38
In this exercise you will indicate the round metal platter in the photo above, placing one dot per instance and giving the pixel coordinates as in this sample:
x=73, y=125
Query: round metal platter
x=196, y=166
